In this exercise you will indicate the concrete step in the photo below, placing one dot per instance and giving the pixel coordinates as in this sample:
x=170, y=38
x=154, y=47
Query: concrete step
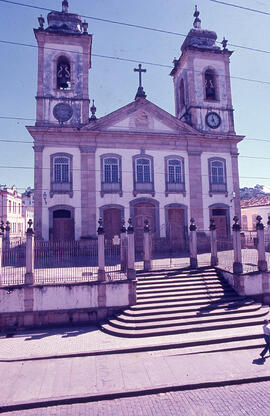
x=184, y=314
x=194, y=292
x=181, y=283
x=133, y=332
x=171, y=284
x=183, y=277
x=189, y=307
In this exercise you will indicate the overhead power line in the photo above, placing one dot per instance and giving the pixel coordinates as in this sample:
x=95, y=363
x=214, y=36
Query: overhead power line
x=132, y=60
x=237, y=6
x=138, y=26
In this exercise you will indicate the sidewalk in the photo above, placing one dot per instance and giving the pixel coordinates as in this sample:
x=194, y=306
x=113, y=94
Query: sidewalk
x=39, y=383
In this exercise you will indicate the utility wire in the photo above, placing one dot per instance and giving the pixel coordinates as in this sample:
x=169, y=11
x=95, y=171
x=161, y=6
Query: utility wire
x=240, y=7
x=140, y=26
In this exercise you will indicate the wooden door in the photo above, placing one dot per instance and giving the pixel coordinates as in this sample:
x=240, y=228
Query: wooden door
x=176, y=231
x=112, y=222
x=221, y=225
x=63, y=229
x=142, y=212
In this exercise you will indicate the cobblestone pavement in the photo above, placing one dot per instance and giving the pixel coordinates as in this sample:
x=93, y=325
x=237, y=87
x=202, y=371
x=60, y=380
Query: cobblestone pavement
x=244, y=400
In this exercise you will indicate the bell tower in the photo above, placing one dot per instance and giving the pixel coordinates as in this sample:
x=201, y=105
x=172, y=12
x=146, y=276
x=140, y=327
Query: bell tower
x=64, y=60
x=202, y=82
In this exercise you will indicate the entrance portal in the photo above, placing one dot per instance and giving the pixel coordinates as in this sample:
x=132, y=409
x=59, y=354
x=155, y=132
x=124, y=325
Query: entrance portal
x=143, y=211
x=63, y=225
x=176, y=229
x=221, y=222
x=112, y=222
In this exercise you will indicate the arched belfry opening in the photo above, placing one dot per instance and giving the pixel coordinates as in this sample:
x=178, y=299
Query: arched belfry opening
x=63, y=73
x=210, y=85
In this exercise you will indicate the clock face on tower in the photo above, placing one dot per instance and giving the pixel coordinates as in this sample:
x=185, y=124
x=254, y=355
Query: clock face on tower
x=212, y=120
x=62, y=112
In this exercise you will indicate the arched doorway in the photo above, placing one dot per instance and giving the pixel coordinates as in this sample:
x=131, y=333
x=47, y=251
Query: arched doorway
x=176, y=227
x=112, y=222
x=141, y=210
x=221, y=214
x=63, y=225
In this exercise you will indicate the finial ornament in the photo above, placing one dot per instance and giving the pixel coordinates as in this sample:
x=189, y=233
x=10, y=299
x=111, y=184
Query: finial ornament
x=93, y=110
x=65, y=6
x=192, y=226
x=146, y=228
x=236, y=226
x=130, y=228
x=85, y=26
x=123, y=228
x=259, y=225
x=197, y=21
x=224, y=44
x=41, y=22
x=100, y=229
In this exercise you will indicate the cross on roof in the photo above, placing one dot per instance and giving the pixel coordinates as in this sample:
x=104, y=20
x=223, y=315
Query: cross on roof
x=140, y=92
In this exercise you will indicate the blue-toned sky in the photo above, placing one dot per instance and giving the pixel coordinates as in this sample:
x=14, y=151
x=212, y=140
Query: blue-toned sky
x=113, y=82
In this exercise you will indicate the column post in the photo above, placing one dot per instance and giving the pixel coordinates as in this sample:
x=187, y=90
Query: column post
x=30, y=253
x=123, y=246
x=147, y=263
x=213, y=241
x=193, y=244
x=237, y=264
x=101, y=252
x=131, y=274
x=262, y=263
x=1, y=253
x=7, y=242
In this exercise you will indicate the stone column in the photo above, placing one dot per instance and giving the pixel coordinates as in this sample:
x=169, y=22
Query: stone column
x=213, y=241
x=131, y=274
x=193, y=245
x=30, y=254
x=237, y=264
x=235, y=178
x=195, y=185
x=147, y=263
x=123, y=246
x=1, y=254
x=262, y=263
x=7, y=242
x=101, y=252
x=38, y=186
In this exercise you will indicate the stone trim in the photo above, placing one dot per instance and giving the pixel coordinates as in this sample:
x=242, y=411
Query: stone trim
x=182, y=160
x=102, y=183
x=136, y=188
x=225, y=207
x=211, y=191
x=56, y=208
x=156, y=205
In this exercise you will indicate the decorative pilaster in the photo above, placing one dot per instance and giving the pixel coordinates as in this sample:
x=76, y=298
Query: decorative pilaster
x=195, y=186
x=123, y=246
x=38, y=186
x=131, y=274
x=235, y=178
x=213, y=241
x=237, y=264
x=193, y=244
x=88, y=190
x=101, y=252
x=30, y=253
x=147, y=263
x=262, y=263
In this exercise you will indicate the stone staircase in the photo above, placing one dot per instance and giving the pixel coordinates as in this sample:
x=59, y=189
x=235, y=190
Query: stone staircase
x=181, y=302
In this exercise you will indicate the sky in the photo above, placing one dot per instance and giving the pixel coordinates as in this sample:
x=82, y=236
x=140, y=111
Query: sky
x=113, y=82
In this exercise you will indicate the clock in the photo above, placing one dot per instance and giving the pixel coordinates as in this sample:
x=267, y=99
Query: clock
x=212, y=120
x=62, y=112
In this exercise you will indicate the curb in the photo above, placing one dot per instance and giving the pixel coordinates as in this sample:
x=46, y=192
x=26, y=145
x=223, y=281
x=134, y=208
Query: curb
x=129, y=393
x=146, y=348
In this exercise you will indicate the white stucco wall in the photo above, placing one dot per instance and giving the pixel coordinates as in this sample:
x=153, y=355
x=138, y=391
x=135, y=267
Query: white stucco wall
x=263, y=211
x=62, y=199
x=127, y=182
x=216, y=198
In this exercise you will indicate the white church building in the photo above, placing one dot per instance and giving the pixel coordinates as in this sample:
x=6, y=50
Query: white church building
x=139, y=161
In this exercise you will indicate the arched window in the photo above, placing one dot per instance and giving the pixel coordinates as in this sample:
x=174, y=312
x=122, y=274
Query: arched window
x=63, y=75
x=111, y=174
x=182, y=94
x=210, y=85
x=174, y=168
x=61, y=173
x=143, y=174
x=61, y=169
x=244, y=222
x=217, y=175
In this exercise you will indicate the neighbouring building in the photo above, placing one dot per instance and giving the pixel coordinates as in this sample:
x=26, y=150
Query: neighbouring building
x=139, y=161
x=251, y=208
x=11, y=210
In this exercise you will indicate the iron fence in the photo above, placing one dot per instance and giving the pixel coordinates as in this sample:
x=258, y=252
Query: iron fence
x=13, y=262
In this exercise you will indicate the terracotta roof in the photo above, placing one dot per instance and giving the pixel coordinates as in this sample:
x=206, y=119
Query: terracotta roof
x=256, y=202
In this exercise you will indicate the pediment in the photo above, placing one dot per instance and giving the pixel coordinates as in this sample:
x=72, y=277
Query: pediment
x=141, y=116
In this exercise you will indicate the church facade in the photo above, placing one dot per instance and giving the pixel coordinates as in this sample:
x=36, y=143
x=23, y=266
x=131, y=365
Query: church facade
x=139, y=161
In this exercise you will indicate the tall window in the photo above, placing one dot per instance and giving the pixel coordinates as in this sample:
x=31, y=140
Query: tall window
x=244, y=222
x=111, y=170
x=210, y=85
x=61, y=173
x=9, y=206
x=254, y=221
x=217, y=175
x=63, y=73
x=174, y=167
x=111, y=174
x=143, y=172
x=182, y=94
x=174, y=171
x=61, y=169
